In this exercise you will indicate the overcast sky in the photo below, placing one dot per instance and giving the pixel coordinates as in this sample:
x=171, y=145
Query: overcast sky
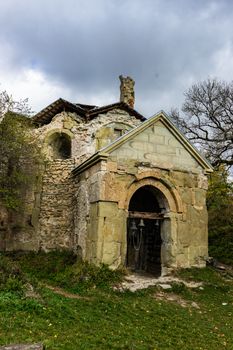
x=76, y=49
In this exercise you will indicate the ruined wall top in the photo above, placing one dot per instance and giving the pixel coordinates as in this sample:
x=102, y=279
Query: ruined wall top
x=127, y=90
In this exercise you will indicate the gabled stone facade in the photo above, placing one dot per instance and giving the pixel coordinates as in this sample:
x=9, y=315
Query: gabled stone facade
x=116, y=188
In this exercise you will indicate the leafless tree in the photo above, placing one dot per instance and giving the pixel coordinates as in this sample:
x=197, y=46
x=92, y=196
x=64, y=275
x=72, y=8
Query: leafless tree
x=8, y=104
x=206, y=118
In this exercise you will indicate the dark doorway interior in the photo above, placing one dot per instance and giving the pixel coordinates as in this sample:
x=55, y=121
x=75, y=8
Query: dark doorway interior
x=144, y=200
x=143, y=232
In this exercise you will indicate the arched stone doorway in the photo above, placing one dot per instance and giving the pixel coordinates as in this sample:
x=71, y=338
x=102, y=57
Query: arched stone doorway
x=144, y=228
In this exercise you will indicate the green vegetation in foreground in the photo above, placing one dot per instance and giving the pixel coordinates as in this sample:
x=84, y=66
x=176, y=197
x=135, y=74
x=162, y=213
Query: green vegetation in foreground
x=106, y=319
x=220, y=213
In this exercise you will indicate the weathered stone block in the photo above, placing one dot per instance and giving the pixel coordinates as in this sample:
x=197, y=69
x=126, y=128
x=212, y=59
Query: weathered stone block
x=68, y=124
x=112, y=166
x=186, y=195
x=107, y=209
x=200, y=197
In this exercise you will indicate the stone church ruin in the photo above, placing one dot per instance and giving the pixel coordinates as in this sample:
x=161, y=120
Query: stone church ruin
x=116, y=188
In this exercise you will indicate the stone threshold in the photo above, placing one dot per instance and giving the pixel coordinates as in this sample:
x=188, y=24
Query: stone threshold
x=134, y=282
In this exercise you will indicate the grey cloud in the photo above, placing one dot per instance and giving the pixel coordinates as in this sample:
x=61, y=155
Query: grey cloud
x=87, y=44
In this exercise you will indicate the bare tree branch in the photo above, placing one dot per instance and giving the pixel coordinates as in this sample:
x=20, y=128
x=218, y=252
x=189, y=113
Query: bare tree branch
x=8, y=104
x=206, y=118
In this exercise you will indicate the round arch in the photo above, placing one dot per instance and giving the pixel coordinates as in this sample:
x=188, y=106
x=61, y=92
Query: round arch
x=169, y=200
x=58, y=131
x=157, y=253
x=144, y=229
x=57, y=144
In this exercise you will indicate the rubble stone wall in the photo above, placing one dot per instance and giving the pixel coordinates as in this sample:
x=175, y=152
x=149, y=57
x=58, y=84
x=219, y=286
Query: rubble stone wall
x=55, y=211
x=59, y=208
x=83, y=134
x=48, y=219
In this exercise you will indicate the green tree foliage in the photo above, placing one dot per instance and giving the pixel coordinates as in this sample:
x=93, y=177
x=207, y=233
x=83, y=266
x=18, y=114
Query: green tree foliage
x=18, y=155
x=220, y=209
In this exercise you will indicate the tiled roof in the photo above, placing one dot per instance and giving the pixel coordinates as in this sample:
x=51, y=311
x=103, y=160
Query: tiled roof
x=118, y=105
x=87, y=112
x=45, y=115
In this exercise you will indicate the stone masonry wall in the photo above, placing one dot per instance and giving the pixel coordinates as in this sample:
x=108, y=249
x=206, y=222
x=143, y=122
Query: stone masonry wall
x=85, y=143
x=56, y=217
x=58, y=207
x=127, y=90
x=158, y=146
x=47, y=219
x=83, y=134
x=107, y=186
x=88, y=214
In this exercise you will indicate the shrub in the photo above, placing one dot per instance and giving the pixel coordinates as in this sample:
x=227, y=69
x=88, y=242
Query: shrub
x=11, y=276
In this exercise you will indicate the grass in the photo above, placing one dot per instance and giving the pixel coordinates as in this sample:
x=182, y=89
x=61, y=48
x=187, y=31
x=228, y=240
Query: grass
x=106, y=319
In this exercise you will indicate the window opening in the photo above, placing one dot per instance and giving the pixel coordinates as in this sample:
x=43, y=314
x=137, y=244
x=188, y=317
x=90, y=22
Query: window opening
x=60, y=146
x=118, y=132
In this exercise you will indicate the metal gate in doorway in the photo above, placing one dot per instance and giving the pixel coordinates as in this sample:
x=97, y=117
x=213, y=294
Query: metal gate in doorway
x=144, y=245
x=145, y=217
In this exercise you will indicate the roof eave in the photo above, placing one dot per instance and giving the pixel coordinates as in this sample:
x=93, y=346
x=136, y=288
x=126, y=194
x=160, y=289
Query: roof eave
x=116, y=105
x=46, y=114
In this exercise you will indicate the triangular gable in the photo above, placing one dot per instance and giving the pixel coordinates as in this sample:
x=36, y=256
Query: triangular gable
x=165, y=120
x=159, y=119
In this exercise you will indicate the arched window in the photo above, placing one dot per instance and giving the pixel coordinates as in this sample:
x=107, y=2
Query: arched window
x=60, y=146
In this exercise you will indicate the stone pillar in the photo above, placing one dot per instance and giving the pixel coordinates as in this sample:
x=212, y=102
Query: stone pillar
x=127, y=90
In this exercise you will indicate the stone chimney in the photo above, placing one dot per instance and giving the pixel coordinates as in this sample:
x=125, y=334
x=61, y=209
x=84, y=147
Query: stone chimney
x=127, y=90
